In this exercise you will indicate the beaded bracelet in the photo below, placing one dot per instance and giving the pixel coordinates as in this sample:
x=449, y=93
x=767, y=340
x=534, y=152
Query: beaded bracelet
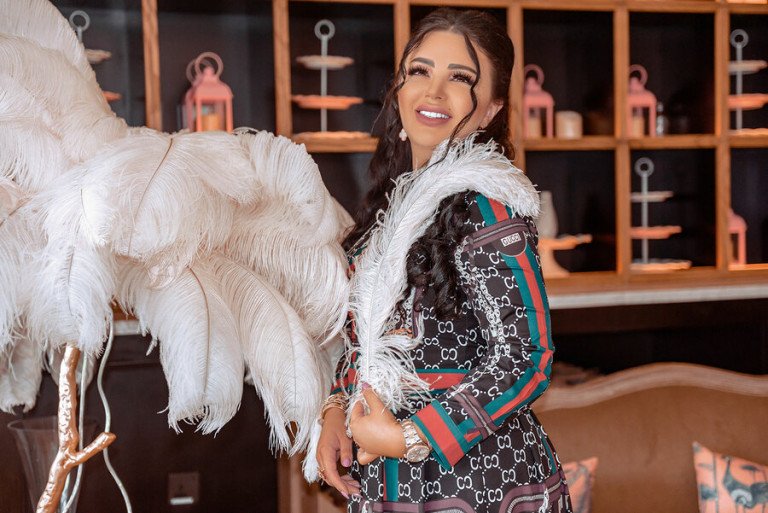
x=337, y=400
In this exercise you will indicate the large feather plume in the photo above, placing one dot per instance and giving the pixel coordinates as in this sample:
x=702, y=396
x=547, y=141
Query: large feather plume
x=312, y=279
x=199, y=346
x=161, y=199
x=283, y=361
x=380, y=272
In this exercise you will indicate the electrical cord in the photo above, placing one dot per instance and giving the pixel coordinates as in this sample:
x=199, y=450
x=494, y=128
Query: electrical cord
x=107, y=422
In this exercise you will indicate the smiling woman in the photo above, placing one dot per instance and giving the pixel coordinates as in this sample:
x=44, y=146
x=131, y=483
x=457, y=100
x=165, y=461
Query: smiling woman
x=450, y=341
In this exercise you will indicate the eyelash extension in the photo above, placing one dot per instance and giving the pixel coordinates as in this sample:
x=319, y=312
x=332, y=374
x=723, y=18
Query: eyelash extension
x=417, y=69
x=464, y=77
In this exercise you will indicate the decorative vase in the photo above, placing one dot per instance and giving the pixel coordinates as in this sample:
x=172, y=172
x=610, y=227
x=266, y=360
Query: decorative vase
x=547, y=221
x=37, y=440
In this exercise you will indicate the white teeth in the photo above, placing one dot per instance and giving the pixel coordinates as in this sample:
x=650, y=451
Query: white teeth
x=433, y=115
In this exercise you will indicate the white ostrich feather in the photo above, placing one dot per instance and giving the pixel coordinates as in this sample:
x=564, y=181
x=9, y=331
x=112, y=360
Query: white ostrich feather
x=380, y=273
x=313, y=280
x=330, y=354
x=16, y=243
x=21, y=366
x=76, y=105
x=162, y=199
x=41, y=22
x=346, y=222
x=199, y=347
x=283, y=362
x=31, y=154
x=72, y=283
x=291, y=178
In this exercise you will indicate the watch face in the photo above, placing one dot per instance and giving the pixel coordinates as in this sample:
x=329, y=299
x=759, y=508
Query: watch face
x=417, y=453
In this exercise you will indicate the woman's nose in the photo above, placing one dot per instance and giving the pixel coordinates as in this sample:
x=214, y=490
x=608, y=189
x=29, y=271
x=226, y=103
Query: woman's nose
x=435, y=90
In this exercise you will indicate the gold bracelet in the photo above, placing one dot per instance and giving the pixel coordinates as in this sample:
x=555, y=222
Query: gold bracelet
x=338, y=400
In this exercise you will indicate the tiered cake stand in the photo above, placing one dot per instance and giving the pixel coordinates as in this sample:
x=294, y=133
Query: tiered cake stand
x=324, y=30
x=739, y=101
x=94, y=56
x=646, y=233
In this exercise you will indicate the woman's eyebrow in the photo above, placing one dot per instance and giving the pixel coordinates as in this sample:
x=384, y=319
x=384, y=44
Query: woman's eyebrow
x=428, y=62
x=461, y=66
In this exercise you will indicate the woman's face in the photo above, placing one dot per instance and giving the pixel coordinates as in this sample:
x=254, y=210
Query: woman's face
x=435, y=96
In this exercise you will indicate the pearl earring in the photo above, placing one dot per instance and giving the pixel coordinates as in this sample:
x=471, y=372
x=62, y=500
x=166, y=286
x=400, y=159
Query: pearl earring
x=403, y=135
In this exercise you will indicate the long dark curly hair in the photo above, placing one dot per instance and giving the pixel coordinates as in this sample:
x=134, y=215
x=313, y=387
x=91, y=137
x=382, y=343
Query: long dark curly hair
x=430, y=259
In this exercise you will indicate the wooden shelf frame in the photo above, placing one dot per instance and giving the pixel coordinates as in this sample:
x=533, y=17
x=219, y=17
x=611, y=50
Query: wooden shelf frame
x=722, y=141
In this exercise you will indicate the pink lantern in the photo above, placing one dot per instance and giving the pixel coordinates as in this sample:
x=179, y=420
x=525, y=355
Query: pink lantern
x=534, y=100
x=738, y=226
x=208, y=103
x=638, y=100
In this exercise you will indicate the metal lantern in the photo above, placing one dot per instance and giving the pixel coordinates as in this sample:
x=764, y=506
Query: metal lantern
x=536, y=100
x=208, y=103
x=639, y=99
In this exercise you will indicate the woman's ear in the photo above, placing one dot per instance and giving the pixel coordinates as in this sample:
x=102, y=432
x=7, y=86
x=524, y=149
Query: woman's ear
x=493, y=109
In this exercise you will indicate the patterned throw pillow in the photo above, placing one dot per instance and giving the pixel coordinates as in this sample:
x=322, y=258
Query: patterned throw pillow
x=580, y=476
x=728, y=484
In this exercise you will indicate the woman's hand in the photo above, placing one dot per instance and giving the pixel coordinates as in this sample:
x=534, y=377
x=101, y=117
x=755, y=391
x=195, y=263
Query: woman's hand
x=377, y=433
x=334, y=446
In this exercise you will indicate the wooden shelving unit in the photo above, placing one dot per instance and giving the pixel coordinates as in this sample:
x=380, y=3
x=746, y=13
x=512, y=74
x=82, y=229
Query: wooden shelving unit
x=624, y=16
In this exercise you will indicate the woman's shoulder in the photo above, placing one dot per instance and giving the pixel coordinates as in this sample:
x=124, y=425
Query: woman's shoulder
x=485, y=211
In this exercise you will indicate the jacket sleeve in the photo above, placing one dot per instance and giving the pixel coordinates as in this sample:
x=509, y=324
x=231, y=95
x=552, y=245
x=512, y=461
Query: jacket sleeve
x=500, y=274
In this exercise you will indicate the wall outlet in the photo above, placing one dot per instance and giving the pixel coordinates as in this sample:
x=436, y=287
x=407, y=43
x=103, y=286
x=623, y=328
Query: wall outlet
x=183, y=488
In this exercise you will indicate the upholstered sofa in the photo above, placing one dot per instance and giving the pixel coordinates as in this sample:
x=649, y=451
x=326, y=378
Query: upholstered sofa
x=640, y=423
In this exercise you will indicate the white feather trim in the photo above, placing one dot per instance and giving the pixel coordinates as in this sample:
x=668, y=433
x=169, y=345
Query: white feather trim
x=199, y=348
x=380, y=272
x=162, y=199
x=21, y=366
x=283, y=362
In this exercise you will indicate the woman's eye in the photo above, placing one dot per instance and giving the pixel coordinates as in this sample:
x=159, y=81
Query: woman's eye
x=464, y=77
x=418, y=70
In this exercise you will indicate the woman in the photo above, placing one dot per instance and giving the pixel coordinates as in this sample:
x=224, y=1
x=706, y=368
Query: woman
x=466, y=339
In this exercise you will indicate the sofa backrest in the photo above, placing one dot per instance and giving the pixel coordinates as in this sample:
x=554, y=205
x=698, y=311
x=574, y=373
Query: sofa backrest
x=640, y=423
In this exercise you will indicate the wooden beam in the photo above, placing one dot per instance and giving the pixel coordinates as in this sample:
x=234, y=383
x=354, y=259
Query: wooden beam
x=153, y=106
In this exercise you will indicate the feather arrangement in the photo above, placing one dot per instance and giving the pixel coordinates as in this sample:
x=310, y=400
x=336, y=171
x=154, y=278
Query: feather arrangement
x=228, y=245
x=380, y=272
x=199, y=346
x=283, y=361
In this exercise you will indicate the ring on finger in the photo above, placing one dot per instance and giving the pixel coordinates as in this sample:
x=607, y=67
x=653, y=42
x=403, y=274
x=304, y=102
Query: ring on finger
x=321, y=474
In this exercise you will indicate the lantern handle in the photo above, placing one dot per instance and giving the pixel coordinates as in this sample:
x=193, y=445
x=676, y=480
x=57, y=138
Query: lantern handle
x=79, y=28
x=641, y=70
x=739, y=38
x=536, y=69
x=644, y=167
x=210, y=57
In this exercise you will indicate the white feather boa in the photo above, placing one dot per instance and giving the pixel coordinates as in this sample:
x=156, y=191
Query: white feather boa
x=380, y=272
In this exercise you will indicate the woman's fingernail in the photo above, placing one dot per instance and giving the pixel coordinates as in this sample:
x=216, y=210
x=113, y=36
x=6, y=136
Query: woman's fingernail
x=366, y=386
x=346, y=462
x=345, y=495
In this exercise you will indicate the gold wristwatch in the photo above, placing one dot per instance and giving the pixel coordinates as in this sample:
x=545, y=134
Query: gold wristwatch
x=416, y=449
